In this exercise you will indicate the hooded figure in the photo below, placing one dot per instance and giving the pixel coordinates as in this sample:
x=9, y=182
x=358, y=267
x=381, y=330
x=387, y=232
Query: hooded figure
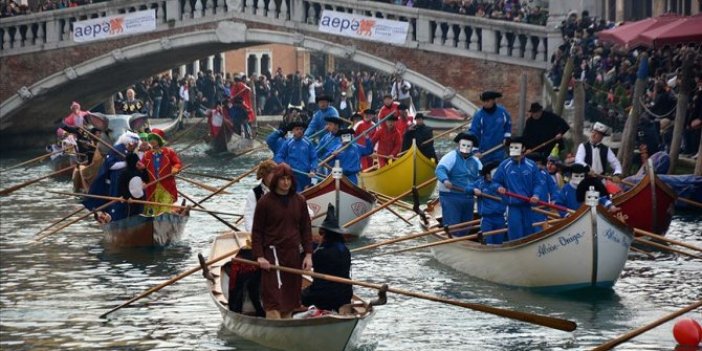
x=330, y=257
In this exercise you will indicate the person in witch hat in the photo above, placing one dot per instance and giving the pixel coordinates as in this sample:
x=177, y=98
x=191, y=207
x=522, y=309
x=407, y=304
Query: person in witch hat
x=325, y=111
x=350, y=157
x=331, y=257
x=457, y=174
x=300, y=154
x=492, y=125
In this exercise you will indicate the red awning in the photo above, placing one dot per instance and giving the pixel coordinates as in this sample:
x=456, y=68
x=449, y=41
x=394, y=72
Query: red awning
x=681, y=31
x=628, y=35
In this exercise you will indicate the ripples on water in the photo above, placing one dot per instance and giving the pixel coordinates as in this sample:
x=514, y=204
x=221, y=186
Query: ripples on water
x=52, y=293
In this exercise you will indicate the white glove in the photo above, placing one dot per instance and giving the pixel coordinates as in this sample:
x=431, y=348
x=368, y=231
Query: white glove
x=119, y=165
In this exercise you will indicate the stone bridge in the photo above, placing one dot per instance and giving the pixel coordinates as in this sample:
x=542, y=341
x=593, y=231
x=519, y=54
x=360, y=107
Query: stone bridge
x=452, y=56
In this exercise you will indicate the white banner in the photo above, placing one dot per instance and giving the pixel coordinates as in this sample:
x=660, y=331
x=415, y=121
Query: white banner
x=363, y=27
x=114, y=26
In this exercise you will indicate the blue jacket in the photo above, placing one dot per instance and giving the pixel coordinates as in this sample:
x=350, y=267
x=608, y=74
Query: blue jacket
x=328, y=143
x=489, y=207
x=350, y=158
x=461, y=172
x=567, y=197
x=298, y=153
x=491, y=129
x=275, y=140
x=318, y=122
x=522, y=178
x=550, y=190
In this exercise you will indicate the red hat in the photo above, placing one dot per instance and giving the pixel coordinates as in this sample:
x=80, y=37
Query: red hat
x=159, y=132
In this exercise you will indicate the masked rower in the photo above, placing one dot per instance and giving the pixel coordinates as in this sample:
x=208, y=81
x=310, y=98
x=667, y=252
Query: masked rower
x=300, y=154
x=350, y=157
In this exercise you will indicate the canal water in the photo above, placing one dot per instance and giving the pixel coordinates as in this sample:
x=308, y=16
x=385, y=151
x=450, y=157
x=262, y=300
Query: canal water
x=52, y=293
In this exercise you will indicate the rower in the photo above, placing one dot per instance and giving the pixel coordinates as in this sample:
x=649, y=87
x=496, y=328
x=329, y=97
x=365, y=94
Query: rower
x=492, y=125
x=161, y=161
x=492, y=213
x=457, y=174
x=325, y=111
x=265, y=174
x=360, y=127
x=240, y=114
x=300, y=154
x=330, y=257
x=350, y=157
x=549, y=190
x=404, y=119
x=421, y=134
x=520, y=176
x=329, y=141
x=572, y=194
x=278, y=137
x=597, y=155
x=388, y=140
x=389, y=106
x=244, y=283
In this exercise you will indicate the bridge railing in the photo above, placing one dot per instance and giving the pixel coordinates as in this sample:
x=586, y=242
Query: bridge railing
x=507, y=42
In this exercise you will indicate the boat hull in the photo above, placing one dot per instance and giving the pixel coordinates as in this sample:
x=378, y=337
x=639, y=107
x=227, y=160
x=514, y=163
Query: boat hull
x=587, y=250
x=442, y=123
x=334, y=332
x=83, y=175
x=352, y=203
x=228, y=142
x=143, y=231
x=649, y=205
x=396, y=178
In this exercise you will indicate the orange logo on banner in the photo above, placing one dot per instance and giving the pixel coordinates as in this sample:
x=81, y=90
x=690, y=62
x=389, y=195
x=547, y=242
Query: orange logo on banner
x=365, y=27
x=117, y=25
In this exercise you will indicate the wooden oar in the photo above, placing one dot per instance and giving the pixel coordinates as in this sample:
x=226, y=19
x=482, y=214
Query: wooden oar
x=207, y=175
x=398, y=203
x=99, y=140
x=450, y=228
x=201, y=185
x=61, y=220
x=671, y=241
x=100, y=208
x=546, y=321
x=491, y=150
x=367, y=214
x=690, y=202
x=396, y=214
x=638, y=331
x=142, y=202
x=446, y=132
x=39, y=158
x=231, y=226
x=537, y=147
x=14, y=188
x=663, y=247
x=190, y=145
x=540, y=202
x=230, y=183
x=171, y=281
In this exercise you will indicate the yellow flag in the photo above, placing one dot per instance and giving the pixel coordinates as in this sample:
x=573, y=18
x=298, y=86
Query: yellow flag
x=555, y=152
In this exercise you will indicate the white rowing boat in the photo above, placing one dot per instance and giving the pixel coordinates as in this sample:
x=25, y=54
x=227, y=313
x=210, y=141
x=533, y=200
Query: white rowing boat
x=349, y=200
x=586, y=249
x=329, y=332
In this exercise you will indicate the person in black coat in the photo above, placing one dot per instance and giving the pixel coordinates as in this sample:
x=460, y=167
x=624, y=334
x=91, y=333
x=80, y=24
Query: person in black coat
x=331, y=257
x=542, y=126
x=244, y=282
x=420, y=132
x=131, y=183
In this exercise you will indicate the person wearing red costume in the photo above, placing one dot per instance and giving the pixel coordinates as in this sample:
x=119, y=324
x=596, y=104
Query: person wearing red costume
x=388, y=140
x=75, y=119
x=388, y=107
x=240, y=89
x=404, y=120
x=160, y=161
x=360, y=127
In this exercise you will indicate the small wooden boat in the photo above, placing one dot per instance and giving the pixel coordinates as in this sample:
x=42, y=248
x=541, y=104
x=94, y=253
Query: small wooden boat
x=586, y=249
x=229, y=142
x=145, y=231
x=83, y=175
x=444, y=118
x=649, y=205
x=349, y=200
x=329, y=332
x=61, y=161
x=397, y=177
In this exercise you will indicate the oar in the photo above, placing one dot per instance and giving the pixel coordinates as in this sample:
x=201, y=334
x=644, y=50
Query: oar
x=190, y=145
x=100, y=208
x=39, y=158
x=141, y=202
x=396, y=214
x=61, y=220
x=231, y=226
x=367, y=214
x=638, y=331
x=540, y=202
x=230, y=183
x=666, y=248
x=491, y=150
x=207, y=175
x=399, y=203
x=185, y=132
x=99, y=140
x=671, y=241
x=450, y=228
x=201, y=185
x=446, y=132
x=14, y=188
x=546, y=321
x=171, y=281
x=537, y=147
x=355, y=139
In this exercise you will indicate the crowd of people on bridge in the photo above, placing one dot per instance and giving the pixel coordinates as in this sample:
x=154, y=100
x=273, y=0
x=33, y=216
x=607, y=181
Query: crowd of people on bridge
x=609, y=74
x=10, y=8
x=531, y=12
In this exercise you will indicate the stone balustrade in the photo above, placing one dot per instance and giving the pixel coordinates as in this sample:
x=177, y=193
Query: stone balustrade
x=492, y=40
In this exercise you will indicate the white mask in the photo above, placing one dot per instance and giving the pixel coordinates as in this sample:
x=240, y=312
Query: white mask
x=465, y=146
x=515, y=149
x=289, y=135
x=592, y=197
x=576, y=178
x=492, y=173
x=345, y=138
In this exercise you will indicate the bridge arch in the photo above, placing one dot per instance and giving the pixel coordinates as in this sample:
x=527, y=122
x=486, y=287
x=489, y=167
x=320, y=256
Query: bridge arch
x=88, y=81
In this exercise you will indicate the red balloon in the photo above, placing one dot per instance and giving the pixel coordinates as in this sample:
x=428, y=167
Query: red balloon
x=687, y=332
x=699, y=328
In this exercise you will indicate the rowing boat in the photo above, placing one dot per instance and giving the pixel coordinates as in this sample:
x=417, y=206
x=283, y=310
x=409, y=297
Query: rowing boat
x=61, y=161
x=83, y=175
x=649, y=205
x=226, y=141
x=145, y=231
x=396, y=177
x=586, y=249
x=349, y=200
x=444, y=118
x=329, y=332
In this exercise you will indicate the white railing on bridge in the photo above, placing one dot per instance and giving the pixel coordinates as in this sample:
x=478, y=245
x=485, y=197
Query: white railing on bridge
x=493, y=40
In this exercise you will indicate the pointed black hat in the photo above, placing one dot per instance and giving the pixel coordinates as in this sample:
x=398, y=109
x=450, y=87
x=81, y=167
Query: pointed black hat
x=331, y=223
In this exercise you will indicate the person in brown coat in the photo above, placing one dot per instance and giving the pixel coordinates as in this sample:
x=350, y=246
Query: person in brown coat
x=281, y=226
